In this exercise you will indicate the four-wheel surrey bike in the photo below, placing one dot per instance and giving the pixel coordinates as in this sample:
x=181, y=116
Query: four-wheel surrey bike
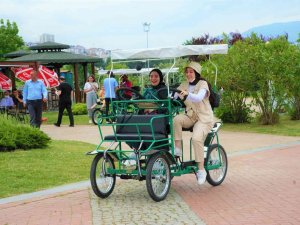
x=141, y=145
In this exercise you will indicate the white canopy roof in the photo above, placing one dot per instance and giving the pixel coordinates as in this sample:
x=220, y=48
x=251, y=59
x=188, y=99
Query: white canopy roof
x=169, y=52
x=134, y=71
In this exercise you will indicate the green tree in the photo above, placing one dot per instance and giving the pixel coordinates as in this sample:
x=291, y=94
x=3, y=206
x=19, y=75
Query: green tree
x=9, y=39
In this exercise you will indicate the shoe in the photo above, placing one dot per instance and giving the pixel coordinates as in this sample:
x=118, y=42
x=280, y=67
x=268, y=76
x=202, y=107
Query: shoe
x=177, y=152
x=201, y=176
x=57, y=125
x=108, y=122
x=71, y=125
x=90, y=121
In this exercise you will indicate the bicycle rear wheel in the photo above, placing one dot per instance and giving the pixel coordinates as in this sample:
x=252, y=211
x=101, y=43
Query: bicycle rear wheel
x=216, y=176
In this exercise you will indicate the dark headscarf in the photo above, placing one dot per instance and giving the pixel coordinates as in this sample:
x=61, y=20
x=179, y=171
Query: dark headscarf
x=161, y=78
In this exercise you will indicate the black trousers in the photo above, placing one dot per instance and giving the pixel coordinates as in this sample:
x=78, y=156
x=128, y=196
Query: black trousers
x=107, y=102
x=35, y=108
x=61, y=107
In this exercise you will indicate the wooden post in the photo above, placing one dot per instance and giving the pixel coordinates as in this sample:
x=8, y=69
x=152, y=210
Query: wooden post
x=77, y=90
x=93, y=68
x=85, y=72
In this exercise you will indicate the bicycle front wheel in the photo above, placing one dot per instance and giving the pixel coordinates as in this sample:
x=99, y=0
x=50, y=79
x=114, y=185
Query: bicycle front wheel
x=97, y=116
x=103, y=182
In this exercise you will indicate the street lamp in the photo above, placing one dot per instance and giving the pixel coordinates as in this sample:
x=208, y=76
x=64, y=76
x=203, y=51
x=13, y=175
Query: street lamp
x=147, y=29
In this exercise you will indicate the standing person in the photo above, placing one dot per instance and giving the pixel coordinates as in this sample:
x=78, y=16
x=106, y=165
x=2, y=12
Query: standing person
x=64, y=91
x=34, y=94
x=198, y=114
x=126, y=83
x=90, y=88
x=110, y=87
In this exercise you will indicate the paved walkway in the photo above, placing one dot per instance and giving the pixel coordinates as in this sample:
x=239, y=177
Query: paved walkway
x=261, y=187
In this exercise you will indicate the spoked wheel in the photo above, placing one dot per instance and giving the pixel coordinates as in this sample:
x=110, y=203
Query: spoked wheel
x=216, y=176
x=102, y=181
x=97, y=116
x=158, y=177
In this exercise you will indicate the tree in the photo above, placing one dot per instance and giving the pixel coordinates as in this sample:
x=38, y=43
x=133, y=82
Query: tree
x=9, y=39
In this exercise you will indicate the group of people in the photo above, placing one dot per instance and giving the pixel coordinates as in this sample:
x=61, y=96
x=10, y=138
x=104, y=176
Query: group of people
x=107, y=93
x=12, y=101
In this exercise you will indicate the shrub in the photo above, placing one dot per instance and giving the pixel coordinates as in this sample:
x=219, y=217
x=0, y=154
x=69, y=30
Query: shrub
x=78, y=109
x=19, y=136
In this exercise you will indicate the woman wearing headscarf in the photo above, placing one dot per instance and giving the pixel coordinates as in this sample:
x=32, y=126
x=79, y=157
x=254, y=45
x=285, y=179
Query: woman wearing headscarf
x=156, y=79
x=198, y=114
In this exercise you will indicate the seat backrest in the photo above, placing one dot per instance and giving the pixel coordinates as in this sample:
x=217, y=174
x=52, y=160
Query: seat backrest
x=159, y=124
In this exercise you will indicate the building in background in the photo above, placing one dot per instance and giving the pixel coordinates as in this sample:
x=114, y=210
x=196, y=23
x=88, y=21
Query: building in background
x=46, y=38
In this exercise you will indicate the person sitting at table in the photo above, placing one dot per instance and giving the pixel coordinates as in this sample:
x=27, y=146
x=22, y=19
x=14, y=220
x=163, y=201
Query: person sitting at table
x=7, y=102
x=17, y=98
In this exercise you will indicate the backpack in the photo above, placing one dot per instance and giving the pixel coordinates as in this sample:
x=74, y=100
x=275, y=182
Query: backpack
x=214, y=98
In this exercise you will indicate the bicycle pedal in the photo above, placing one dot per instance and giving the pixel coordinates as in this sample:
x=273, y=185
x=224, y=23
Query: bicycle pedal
x=188, y=163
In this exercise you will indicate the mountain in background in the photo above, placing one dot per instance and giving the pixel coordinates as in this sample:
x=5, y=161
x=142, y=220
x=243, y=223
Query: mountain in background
x=275, y=29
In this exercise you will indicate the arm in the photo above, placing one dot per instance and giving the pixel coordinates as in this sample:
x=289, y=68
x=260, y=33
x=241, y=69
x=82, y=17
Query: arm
x=197, y=97
x=45, y=92
x=25, y=94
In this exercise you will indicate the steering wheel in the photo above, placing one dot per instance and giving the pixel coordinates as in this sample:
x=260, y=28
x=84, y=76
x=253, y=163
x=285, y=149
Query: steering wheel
x=177, y=103
x=135, y=95
x=171, y=93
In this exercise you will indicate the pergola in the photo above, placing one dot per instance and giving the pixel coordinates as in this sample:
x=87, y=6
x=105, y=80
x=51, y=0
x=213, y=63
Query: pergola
x=51, y=54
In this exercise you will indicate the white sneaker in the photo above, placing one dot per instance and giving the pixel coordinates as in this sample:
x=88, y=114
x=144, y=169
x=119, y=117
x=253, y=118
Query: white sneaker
x=178, y=152
x=90, y=121
x=201, y=176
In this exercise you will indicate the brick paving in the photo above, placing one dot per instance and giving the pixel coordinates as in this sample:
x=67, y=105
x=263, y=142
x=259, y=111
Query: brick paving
x=67, y=208
x=260, y=188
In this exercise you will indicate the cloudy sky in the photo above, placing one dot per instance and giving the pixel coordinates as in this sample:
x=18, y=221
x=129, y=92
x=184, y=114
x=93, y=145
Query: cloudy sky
x=117, y=24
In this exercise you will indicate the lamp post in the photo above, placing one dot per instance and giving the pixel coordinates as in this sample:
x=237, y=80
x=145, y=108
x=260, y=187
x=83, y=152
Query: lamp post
x=147, y=29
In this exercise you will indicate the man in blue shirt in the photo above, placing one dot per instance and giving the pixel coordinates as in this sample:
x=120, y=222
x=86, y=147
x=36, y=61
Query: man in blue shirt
x=34, y=94
x=110, y=86
x=7, y=101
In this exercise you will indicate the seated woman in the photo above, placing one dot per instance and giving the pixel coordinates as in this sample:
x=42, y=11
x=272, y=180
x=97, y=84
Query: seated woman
x=195, y=94
x=156, y=79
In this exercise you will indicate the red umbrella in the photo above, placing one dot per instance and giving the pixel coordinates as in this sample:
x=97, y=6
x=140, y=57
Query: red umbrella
x=5, y=82
x=48, y=76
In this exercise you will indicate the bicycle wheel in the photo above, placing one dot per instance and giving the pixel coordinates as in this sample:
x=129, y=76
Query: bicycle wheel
x=97, y=116
x=216, y=176
x=102, y=181
x=158, y=177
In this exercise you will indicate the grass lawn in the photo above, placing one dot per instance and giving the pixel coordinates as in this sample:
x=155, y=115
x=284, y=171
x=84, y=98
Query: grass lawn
x=78, y=119
x=284, y=127
x=27, y=171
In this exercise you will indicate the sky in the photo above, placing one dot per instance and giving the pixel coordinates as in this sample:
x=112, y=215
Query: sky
x=117, y=24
